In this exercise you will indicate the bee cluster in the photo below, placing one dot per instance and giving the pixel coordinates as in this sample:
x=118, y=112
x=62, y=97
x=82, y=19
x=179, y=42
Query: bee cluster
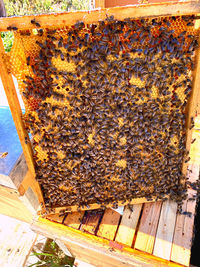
x=109, y=124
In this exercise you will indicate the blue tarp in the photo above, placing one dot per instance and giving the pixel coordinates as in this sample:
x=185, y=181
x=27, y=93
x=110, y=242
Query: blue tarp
x=9, y=141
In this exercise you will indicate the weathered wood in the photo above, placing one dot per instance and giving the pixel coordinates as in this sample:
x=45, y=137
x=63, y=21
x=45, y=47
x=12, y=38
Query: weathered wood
x=19, y=171
x=136, y=11
x=127, y=227
x=182, y=241
x=109, y=224
x=96, y=250
x=74, y=219
x=2, y=9
x=90, y=221
x=16, y=241
x=165, y=230
x=148, y=226
x=30, y=182
x=193, y=108
x=12, y=206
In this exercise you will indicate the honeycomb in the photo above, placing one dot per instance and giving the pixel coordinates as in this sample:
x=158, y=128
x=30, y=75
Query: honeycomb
x=106, y=107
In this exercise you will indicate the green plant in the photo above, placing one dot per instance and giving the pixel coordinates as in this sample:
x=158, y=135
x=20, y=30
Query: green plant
x=52, y=256
x=28, y=7
x=8, y=39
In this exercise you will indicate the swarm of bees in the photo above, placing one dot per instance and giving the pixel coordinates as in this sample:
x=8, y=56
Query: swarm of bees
x=112, y=128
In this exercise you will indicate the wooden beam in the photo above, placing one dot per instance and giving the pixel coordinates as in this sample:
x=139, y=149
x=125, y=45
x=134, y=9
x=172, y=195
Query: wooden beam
x=127, y=227
x=148, y=226
x=74, y=219
x=109, y=224
x=90, y=221
x=135, y=11
x=165, y=230
x=182, y=241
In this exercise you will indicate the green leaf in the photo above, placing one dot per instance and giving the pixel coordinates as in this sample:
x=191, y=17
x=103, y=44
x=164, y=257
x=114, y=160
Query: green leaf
x=42, y=254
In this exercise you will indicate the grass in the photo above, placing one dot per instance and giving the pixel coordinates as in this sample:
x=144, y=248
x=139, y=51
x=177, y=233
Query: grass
x=52, y=256
x=30, y=7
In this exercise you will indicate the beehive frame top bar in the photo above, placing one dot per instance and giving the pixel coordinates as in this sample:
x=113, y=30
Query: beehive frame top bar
x=136, y=11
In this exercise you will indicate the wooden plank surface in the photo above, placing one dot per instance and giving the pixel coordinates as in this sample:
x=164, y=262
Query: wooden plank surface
x=165, y=230
x=109, y=224
x=128, y=224
x=16, y=241
x=91, y=220
x=74, y=219
x=12, y=206
x=148, y=227
x=182, y=241
x=136, y=11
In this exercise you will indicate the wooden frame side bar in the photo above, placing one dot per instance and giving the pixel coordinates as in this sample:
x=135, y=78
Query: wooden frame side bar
x=135, y=11
x=15, y=108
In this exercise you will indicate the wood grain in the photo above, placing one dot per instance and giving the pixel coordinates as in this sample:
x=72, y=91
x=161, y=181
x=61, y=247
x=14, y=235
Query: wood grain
x=74, y=219
x=127, y=227
x=11, y=205
x=90, y=221
x=182, y=241
x=148, y=226
x=55, y=218
x=165, y=230
x=135, y=11
x=109, y=224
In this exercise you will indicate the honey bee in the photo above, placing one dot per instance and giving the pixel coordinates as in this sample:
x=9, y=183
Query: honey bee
x=3, y=155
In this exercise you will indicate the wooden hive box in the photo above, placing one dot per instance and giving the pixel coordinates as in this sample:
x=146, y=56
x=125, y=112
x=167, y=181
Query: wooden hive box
x=151, y=234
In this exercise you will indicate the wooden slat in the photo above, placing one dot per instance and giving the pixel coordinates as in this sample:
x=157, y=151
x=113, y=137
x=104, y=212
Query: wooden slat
x=165, y=231
x=74, y=219
x=182, y=242
x=194, y=110
x=127, y=228
x=148, y=226
x=55, y=218
x=109, y=224
x=91, y=220
x=136, y=11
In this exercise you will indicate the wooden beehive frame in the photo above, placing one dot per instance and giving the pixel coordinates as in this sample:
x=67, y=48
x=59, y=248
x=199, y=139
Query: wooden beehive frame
x=136, y=11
